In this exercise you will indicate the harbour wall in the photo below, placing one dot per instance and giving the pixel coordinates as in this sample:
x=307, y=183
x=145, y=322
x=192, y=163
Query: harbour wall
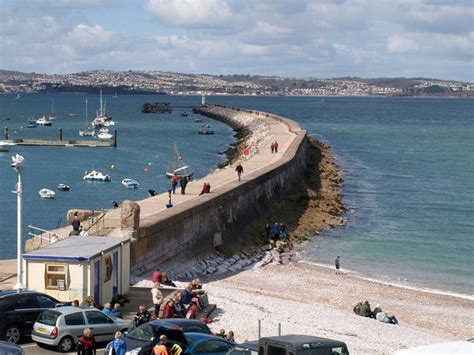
x=216, y=221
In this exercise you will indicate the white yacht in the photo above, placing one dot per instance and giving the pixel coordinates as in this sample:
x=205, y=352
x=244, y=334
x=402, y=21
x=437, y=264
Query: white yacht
x=130, y=183
x=104, y=135
x=47, y=193
x=96, y=176
x=43, y=121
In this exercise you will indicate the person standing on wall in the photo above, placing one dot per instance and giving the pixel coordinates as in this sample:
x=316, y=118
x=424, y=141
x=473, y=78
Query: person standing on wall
x=76, y=225
x=275, y=146
x=157, y=298
x=184, y=182
x=239, y=168
x=174, y=182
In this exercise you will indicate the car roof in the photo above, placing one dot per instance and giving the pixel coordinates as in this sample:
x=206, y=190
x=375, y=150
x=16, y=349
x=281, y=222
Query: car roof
x=7, y=293
x=252, y=345
x=302, y=341
x=201, y=336
x=71, y=309
x=183, y=321
x=9, y=348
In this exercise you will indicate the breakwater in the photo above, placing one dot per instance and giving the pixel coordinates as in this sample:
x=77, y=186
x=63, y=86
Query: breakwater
x=216, y=221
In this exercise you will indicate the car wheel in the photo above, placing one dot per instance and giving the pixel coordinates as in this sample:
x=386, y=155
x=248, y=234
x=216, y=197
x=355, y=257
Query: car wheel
x=66, y=344
x=12, y=334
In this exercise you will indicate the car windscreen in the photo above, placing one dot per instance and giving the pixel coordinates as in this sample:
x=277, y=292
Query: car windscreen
x=144, y=333
x=48, y=317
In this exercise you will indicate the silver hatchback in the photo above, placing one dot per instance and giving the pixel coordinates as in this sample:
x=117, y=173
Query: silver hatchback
x=63, y=326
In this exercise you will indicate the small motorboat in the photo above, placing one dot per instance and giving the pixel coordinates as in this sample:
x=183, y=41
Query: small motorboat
x=63, y=187
x=31, y=124
x=43, y=121
x=109, y=123
x=184, y=114
x=87, y=132
x=104, y=135
x=206, y=126
x=47, y=193
x=5, y=146
x=72, y=114
x=130, y=183
x=96, y=176
x=104, y=130
x=198, y=120
x=206, y=131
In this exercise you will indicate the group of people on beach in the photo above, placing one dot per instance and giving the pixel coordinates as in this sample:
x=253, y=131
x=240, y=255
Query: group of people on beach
x=185, y=304
x=276, y=232
x=363, y=309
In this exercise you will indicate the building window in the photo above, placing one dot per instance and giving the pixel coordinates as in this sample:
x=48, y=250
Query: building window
x=56, y=277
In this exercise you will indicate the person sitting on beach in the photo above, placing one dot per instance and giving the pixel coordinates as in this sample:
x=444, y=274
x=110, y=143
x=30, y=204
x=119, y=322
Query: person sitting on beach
x=179, y=308
x=193, y=310
x=206, y=188
x=169, y=310
x=187, y=295
x=116, y=312
x=356, y=308
x=221, y=333
x=107, y=309
x=165, y=280
x=365, y=310
x=156, y=276
x=142, y=316
x=230, y=336
x=384, y=317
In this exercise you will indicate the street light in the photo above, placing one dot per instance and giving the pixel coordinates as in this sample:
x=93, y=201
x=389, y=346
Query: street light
x=17, y=165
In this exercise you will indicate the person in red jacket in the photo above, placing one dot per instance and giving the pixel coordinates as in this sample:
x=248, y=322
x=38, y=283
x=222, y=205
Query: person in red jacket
x=169, y=311
x=275, y=145
x=86, y=343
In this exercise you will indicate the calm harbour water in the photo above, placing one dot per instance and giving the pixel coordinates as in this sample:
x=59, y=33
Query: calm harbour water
x=408, y=171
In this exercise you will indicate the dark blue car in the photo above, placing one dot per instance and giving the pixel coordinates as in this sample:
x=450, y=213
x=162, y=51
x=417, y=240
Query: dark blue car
x=141, y=340
x=199, y=343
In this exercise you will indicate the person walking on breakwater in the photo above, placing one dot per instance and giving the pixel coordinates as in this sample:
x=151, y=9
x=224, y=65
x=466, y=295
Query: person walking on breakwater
x=275, y=145
x=272, y=147
x=174, y=182
x=184, y=182
x=239, y=168
x=157, y=298
x=337, y=263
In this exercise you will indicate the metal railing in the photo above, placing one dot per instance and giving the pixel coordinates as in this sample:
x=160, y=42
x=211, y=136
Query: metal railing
x=96, y=223
x=44, y=235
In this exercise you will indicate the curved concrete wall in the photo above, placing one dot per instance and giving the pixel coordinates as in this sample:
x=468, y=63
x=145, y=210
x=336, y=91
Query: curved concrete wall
x=198, y=226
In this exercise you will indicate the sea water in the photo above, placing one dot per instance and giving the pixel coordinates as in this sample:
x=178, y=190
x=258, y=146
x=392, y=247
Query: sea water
x=408, y=169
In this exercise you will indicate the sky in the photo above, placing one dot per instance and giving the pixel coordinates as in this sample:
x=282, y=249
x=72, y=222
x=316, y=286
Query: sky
x=293, y=38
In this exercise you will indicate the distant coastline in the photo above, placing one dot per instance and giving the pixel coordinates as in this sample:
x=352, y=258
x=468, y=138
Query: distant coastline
x=162, y=83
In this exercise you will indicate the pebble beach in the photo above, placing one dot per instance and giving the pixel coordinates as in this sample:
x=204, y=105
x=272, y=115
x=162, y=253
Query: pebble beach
x=310, y=299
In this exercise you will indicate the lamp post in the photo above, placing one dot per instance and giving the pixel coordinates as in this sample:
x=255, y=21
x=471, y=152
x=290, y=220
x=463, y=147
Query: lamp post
x=169, y=204
x=17, y=165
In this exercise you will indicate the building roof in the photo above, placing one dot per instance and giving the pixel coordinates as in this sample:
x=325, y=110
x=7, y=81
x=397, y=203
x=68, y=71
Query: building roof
x=76, y=248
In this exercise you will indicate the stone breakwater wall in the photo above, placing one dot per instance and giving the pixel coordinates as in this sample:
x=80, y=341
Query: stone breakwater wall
x=216, y=221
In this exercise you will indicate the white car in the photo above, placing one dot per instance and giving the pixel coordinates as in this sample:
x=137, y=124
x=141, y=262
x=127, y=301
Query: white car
x=63, y=326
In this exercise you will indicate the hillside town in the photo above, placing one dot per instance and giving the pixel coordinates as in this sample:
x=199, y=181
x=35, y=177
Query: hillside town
x=157, y=82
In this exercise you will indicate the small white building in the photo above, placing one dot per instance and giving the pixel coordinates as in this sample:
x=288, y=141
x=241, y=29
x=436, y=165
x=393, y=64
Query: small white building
x=77, y=267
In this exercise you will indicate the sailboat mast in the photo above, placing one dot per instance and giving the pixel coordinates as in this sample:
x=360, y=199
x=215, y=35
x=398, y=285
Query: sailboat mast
x=101, y=105
x=52, y=107
x=86, y=113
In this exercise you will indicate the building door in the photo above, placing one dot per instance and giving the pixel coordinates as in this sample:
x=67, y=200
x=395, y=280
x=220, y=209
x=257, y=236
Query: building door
x=97, y=279
x=115, y=275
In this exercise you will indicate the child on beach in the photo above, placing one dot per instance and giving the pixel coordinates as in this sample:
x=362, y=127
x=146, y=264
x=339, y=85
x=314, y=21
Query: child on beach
x=338, y=265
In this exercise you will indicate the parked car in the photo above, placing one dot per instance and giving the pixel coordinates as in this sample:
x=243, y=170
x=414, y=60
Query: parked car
x=301, y=345
x=199, y=343
x=63, y=326
x=141, y=340
x=247, y=348
x=10, y=348
x=189, y=325
x=19, y=310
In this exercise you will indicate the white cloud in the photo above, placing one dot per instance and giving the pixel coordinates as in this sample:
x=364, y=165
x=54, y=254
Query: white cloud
x=400, y=44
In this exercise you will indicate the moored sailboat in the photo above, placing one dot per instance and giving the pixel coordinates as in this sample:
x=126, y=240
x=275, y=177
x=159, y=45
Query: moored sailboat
x=177, y=166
